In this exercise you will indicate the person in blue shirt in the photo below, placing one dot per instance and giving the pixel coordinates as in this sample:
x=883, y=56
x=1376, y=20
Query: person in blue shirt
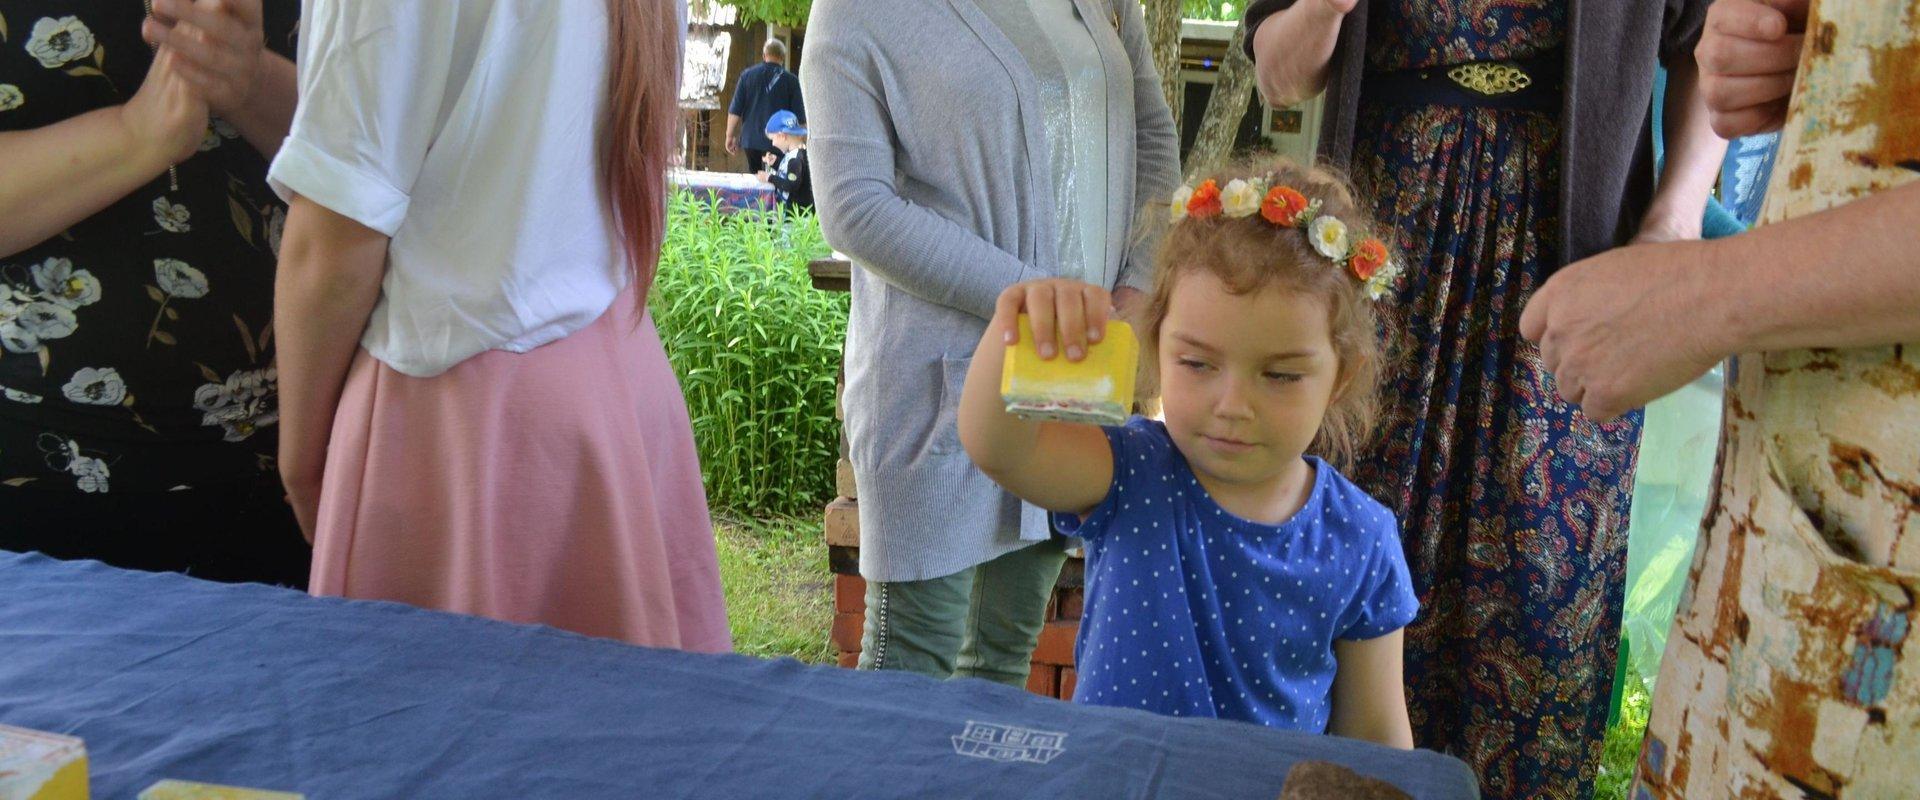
x=1232, y=571
x=763, y=90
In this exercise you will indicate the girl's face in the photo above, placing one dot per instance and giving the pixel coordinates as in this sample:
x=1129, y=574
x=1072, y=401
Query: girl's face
x=1245, y=380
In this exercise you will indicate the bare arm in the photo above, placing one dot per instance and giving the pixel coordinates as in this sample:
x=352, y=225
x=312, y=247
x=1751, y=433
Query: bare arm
x=1632, y=324
x=1694, y=153
x=57, y=175
x=329, y=280
x=1291, y=49
x=1369, y=697
x=1056, y=466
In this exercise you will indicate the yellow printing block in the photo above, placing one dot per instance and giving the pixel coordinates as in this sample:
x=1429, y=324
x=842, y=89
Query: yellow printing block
x=187, y=790
x=41, y=766
x=1097, y=390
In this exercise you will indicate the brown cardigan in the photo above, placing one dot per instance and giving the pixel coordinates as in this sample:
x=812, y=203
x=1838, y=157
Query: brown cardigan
x=1605, y=118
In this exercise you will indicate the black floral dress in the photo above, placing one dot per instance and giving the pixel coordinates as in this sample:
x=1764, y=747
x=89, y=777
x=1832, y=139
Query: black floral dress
x=137, y=383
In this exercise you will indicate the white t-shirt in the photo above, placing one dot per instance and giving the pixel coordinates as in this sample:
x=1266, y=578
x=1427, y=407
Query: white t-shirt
x=469, y=133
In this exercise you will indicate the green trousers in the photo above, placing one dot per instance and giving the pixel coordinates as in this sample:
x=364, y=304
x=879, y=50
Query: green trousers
x=981, y=622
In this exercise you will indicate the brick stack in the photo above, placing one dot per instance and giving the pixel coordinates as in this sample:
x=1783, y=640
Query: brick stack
x=1052, y=673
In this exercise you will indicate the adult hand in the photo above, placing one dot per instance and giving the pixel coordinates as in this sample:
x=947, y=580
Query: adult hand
x=1065, y=315
x=165, y=117
x=1621, y=329
x=733, y=145
x=1748, y=55
x=219, y=43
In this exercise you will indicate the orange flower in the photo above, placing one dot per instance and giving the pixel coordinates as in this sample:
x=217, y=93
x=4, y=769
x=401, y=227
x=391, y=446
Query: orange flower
x=1283, y=206
x=1205, y=201
x=1368, y=257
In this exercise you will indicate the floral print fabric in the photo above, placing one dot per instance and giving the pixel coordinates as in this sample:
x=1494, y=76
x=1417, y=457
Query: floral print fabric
x=135, y=347
x=1513, y=505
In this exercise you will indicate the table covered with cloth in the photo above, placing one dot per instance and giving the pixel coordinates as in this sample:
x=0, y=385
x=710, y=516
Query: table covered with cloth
x=166, y=676
x=740, y=191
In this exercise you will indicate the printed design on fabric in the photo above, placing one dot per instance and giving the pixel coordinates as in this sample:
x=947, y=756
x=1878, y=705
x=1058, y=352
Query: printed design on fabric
x=1008, y=743
x=1870, y=675
x=89, y=470
x=39, y=306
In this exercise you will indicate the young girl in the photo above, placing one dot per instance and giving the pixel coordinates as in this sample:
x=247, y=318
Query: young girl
x=1230, y=573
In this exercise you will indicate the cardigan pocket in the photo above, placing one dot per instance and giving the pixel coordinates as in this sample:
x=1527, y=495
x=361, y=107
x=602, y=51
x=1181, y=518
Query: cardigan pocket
x=946, y=426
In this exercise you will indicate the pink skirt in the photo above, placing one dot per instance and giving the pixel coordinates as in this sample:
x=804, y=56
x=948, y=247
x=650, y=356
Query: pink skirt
x=558, y=486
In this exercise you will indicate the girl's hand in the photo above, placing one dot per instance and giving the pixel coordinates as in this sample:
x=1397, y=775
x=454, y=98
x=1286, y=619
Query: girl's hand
x=165, y=118
x=1066, y=315
x=219, y=43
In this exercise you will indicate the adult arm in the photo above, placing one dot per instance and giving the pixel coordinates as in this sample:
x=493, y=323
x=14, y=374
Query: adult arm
x=1627, y=326
x=57, y=175
x=1293, y=42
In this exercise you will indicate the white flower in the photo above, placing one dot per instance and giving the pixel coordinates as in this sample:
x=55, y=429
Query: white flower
x=60, y=283
x=91, y=472
x=1180, y=198
x=172, y=218
x=57, y=41
x=179, y=280
x=1241, y=198
x=276, y=225
x=36, y=323
x=1329, y=237
x=96, y=387
x=242, y=405
x=11, y=97
x=18, y=396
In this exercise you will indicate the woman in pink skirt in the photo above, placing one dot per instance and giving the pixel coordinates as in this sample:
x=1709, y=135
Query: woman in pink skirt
x=476, y=413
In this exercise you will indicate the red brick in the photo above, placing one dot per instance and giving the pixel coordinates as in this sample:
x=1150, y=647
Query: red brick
x=846, y=631
x=1044, y=680
x=849, y=594
x=1066, y=683
x=1069, y=603
x=1056, y=643
x=850, y=660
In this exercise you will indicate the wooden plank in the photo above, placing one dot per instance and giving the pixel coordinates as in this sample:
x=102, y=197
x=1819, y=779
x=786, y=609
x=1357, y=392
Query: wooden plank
x=831, y=274
x=843, y=480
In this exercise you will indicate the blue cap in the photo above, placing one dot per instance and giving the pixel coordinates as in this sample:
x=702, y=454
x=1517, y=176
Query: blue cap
x=785, y=122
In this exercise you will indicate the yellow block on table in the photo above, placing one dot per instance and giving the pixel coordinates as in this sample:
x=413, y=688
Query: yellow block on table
x=1097, y=389
x=41, y=766
x=188, y=790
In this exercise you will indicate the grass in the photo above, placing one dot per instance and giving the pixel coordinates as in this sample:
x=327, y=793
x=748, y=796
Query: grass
x=1623, y=742
x=779, y=592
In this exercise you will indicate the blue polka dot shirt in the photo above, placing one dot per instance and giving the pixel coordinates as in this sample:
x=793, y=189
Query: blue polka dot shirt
x=1192, y=611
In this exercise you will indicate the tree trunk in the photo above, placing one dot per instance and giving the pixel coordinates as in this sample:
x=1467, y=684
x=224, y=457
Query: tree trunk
x=1225, y=108
x=1163, y=32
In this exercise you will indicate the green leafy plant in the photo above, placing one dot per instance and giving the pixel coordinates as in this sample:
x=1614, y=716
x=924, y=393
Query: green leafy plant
x=756, y=349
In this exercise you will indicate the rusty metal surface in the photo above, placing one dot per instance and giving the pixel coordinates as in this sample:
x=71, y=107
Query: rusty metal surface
x=1787, y=673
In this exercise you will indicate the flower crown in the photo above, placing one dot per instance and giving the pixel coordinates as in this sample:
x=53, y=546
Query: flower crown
x=1286, y=207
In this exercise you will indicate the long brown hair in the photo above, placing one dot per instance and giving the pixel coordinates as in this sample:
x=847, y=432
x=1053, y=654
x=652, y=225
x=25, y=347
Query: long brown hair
x=1250, y=255
x=643, y=92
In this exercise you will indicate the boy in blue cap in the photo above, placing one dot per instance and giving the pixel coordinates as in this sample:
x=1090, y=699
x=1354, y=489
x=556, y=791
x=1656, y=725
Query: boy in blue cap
x=792, y=184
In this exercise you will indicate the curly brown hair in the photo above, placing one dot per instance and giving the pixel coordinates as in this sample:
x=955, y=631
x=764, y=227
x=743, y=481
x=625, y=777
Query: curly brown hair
x=1249, y=255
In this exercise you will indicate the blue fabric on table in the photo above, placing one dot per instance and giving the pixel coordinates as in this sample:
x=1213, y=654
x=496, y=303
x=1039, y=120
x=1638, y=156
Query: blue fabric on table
x=166, y=676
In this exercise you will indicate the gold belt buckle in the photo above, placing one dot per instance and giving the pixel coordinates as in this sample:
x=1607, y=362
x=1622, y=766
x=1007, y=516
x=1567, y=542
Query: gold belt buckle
x=1490, y=77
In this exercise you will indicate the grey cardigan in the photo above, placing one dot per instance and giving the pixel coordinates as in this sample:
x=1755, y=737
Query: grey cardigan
x=931, y=173
x=1606, y=140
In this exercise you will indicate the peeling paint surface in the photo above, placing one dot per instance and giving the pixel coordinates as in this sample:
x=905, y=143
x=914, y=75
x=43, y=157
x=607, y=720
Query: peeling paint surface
x=1789, y=671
